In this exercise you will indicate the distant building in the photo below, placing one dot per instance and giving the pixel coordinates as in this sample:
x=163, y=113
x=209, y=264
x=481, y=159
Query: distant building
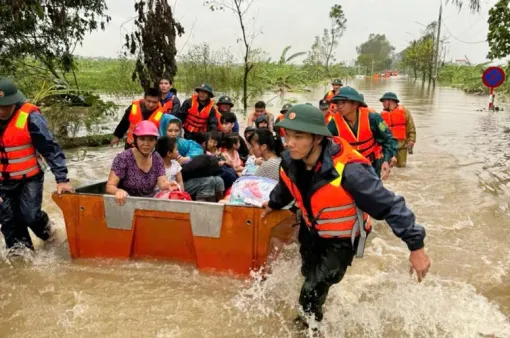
x=461, y=62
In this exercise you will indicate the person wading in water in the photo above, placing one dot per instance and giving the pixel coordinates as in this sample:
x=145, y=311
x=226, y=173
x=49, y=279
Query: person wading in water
x=337, y=192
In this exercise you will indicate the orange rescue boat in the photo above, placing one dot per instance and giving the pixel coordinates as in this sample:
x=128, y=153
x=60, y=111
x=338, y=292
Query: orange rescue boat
x=212, y=236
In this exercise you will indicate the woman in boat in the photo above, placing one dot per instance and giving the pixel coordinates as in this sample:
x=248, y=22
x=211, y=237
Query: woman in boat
x=137, y=171
x=203, y=187
x=268, y=146
x=171, y=126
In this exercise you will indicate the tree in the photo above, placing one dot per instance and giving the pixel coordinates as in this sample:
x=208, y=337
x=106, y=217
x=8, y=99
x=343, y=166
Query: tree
x=284, y=59
x=153, y=42
x=323, y=49
x=419, y=55
x=499, y=30
x=375, y=54
x=498, y=36
x=240, y=8
x=42, y=35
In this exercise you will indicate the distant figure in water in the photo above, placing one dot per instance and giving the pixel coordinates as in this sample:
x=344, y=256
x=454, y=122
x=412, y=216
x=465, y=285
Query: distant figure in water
x=401, y=124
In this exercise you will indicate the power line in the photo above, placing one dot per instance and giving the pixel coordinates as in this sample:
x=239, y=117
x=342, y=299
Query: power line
x=456, y=38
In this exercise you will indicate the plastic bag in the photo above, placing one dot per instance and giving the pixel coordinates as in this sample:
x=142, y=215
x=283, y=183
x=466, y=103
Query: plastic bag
x=251, y=190
x=250, y=167
x=173, y=195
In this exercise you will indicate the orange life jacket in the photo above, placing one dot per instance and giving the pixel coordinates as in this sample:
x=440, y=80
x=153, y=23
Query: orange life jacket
x=334, y=212
x=18, y=157
x=168, y=106
x=397, y=122
x=136, y=117
x=281, y=131
x=364, y=141
x=330, y=95
x=196, y=121
x=328, y=117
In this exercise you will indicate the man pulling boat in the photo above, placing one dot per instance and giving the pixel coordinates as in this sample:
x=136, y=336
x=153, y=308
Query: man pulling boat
x=337, y=192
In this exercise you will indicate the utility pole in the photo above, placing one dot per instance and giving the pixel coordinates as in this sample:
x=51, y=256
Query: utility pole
x=436, y=60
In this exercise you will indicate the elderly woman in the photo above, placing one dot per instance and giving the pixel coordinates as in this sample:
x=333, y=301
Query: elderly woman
x=137, y=171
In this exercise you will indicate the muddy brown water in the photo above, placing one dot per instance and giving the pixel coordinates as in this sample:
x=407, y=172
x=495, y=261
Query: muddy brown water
x=457, y=183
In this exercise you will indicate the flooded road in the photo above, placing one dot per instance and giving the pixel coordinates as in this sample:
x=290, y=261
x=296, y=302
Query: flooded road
x=457, y=182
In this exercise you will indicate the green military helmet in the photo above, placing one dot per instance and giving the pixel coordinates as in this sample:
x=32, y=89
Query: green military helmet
x=285, y=108
x=348, y=94
x=389, y=96
x=337, y=82
x=364, y=105
x=225, y=100
x=9, y=93
x=204, y=87
x=304, y=118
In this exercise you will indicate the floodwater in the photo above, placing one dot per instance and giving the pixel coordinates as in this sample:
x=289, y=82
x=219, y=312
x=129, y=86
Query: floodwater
x=457, y=183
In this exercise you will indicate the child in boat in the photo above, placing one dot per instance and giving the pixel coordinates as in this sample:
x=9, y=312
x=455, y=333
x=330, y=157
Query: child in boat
x=261, y=122
x=228, y=121
x=268, y=146
x=167, y=149
x=232, y=144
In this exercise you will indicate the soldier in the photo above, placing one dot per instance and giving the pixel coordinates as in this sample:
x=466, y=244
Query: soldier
x=336, y=191
x=24, y=137
x=401, y=124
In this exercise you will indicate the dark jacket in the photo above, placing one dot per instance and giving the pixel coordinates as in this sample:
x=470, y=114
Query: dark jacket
x=201, y=166
x=360, y=181
x=177, y=103
x=186, y=105
x=44, y=143
x=123, y=125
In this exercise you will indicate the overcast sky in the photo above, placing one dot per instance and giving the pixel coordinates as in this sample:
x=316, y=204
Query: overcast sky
x=296, y=22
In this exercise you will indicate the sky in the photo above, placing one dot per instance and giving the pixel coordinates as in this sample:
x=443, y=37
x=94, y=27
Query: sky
x=296, y=22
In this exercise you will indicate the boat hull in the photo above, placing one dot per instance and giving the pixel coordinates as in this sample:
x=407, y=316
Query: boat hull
x=211, y=236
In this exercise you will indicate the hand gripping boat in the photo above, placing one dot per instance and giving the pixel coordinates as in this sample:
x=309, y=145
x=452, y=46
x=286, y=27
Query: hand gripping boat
x=214, y=237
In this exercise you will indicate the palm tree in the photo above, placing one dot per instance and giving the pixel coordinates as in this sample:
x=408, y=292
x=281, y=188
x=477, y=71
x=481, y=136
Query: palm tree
x=284, y=59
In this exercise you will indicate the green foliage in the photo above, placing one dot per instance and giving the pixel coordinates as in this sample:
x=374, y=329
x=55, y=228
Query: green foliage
x=47, y=32
x=499, y=30
x=284, y=59
x=375, y=54
x=469, y=78
x=418, y=57
x=201, y=64
x=67, y=111
x=153, y=42
x=499, y=26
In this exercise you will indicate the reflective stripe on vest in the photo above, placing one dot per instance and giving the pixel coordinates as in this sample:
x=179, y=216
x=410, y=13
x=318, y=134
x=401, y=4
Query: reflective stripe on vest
x=397, y=122
x=135, y=117
x=334, y=212
x=363, y=141
x=196, y=121
x=18, y=157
